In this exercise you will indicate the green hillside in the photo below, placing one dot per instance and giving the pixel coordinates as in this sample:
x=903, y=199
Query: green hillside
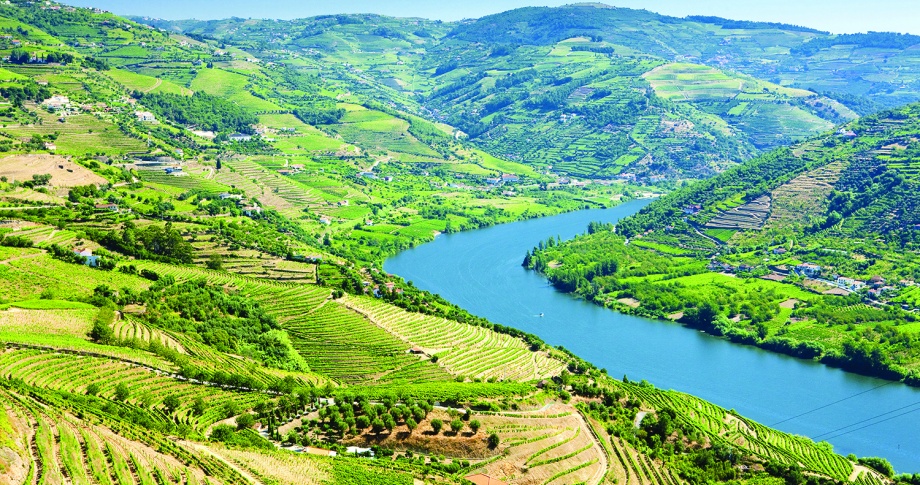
x=194, y=216
x=808, y=250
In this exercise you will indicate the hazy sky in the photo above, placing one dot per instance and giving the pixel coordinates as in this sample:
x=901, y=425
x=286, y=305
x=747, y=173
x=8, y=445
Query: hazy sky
x=839, y=16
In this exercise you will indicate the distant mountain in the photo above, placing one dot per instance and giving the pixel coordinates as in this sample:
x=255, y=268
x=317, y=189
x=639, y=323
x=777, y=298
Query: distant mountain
x=876, y=65
x=588, y=90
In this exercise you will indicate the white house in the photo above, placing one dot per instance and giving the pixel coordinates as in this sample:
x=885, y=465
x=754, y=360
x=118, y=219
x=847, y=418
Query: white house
x=56, y=102
x=91, y=260
x=145, y=116
x=240, y=137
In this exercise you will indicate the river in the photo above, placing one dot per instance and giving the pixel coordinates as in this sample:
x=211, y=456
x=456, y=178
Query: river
x=481, y=271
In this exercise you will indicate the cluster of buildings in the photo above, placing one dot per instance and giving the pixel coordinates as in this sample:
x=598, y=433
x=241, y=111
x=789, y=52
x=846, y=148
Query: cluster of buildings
x=505, y=178
x=247, y=208
x=876, y=287
x=292, y=170
x=389, y=287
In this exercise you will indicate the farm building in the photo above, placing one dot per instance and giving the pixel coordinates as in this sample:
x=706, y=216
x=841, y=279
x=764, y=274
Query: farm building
x=56, y=102
x=107, y=207
x=91, y=260
x=240, y=137
x=808, y=269
x=145, y=116
x=253, y=209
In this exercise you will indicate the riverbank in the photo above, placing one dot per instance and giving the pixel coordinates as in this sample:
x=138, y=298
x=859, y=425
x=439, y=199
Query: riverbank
x=653, y=280
x=799, y=350
x=480, y=271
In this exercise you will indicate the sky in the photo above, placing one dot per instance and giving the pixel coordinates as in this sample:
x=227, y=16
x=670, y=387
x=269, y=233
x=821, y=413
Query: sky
x=837, y=16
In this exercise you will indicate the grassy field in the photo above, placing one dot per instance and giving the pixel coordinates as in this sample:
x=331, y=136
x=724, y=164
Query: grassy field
x=230, y=86
x=146, y=84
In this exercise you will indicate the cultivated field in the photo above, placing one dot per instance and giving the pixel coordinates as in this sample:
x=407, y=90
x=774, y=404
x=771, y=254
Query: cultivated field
x=64, y=173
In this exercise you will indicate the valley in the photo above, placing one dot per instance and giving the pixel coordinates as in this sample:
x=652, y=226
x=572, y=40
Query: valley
x=207, y=233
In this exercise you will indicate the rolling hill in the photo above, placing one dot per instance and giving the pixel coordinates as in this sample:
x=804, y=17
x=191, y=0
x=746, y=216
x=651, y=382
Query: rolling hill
x=809, y=250
x=193, y=225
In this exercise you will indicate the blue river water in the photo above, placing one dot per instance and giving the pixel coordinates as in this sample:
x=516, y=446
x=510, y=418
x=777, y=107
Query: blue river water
x=481, y=271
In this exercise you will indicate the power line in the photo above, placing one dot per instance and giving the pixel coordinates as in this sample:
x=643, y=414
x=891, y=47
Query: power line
x=873, y=424
x=833, y=403
x=869, y=419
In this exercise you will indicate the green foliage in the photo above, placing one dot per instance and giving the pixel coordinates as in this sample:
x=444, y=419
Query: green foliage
x=245, y=421
x=102, y=332
x=122, y=392
x=151, y=242
x=880, y=465
x=493, y=441
x=227, y=321
x=201, y=110
x=28, y=92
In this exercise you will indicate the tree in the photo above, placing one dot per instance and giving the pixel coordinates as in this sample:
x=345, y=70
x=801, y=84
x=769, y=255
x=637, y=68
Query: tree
x=436, y=425
x=19, y=56
x=418, y=413
x=411, y=424
x=122, y=392
x=215, y=262
x=456, y=425
x=102, y=332
x=362, y=422
x=493, y=441
x=222, y=432
x=244, y=421
x=389, y=422
x=378, y=426
x=172, y=403
x=92, y=389
x=474, y=426
x=198, y=407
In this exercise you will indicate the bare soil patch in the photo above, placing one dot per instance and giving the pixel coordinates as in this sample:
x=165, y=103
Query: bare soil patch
x=64, y=173
x=630, y=302
x=789, y=304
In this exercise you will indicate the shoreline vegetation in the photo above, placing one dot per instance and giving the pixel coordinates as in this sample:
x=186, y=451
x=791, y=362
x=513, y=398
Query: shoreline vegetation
x=808, y=251
x=195, y=217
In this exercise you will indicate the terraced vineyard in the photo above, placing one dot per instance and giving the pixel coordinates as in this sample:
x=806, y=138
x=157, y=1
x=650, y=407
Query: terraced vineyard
x=270, y=188
x=343, y=344
x=62, y=448
x=552, y=445
x=185, y=182
x=752, y=215
x=637, y=468
x=148, y=388
x=128, y=329
x=757, y=438
x=805, y=196
x=462, y=349
x=324, y=334
x=42, y=235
